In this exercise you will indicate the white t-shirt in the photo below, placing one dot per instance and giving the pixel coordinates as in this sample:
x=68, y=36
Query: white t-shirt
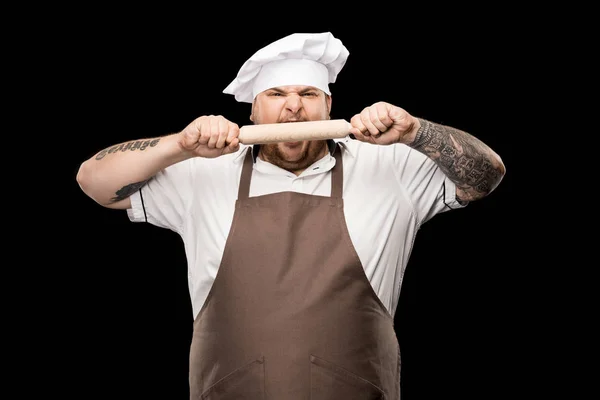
x=389, y=192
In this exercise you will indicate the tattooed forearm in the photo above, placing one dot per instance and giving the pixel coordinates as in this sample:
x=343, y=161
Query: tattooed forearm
x=128, y=190
x=467, y=161
x=132, y=146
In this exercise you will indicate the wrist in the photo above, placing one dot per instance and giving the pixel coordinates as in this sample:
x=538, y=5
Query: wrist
x=177, y=151
x=422, y=130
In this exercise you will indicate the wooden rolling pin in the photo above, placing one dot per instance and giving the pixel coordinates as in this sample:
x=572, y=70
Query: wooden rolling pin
x=294, y=131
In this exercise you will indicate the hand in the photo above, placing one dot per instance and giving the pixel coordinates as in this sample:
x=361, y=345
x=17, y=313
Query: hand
x=383, y=124
x=210, y=136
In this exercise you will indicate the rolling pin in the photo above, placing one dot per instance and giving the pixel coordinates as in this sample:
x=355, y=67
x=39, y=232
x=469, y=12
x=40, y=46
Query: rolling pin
x=294, y=131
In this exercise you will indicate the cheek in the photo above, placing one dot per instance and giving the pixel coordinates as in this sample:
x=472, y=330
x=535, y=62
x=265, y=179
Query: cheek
x=317, y=109
x=318, y=113
x=267, y=111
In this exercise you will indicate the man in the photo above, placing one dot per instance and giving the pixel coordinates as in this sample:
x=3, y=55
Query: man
x=295, y=250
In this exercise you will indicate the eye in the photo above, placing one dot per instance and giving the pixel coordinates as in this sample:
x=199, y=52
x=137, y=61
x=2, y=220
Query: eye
x=309, y=94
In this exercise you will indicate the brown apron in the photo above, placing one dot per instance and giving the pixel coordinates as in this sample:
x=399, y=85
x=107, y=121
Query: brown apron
x=291, y=314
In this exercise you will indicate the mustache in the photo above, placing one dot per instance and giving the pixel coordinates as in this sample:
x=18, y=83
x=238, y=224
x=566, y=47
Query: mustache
x=285, y=120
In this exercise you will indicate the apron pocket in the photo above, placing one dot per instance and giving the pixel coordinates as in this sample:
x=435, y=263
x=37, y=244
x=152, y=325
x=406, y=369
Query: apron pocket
x=330, y=381
x=247, y=382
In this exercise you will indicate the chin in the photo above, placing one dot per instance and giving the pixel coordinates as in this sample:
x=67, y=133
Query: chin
x=292, y=151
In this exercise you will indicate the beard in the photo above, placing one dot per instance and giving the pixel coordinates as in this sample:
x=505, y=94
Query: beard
x=294, y=156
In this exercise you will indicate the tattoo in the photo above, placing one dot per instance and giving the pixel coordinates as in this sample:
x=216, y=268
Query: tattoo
x=464, y=159
x=128, y=190
x=135, y=145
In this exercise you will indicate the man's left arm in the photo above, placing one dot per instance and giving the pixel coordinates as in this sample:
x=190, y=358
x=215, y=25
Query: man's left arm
x=473, y=166
x=468, y=162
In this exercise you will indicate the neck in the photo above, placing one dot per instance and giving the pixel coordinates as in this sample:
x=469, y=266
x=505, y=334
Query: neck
x=293, y=160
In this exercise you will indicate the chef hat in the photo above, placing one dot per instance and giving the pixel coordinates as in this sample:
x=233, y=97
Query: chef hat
x=308, y=59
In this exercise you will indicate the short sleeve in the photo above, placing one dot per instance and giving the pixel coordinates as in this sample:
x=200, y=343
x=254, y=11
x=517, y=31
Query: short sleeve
x=165, y=199
x=429, y=189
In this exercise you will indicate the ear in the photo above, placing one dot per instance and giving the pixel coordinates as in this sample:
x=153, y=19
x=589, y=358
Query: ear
x=328, y=100
x=252, y=113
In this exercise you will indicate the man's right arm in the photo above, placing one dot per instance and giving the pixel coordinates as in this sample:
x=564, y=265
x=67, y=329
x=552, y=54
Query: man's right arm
x=115, y=173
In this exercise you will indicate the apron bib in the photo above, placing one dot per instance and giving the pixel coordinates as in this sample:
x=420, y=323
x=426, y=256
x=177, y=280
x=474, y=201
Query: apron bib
x=291, y=314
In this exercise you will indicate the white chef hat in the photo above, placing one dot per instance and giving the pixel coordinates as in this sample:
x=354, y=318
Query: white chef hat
x=307, y=59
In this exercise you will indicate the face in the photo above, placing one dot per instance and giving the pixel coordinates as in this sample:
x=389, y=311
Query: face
x=291, y=104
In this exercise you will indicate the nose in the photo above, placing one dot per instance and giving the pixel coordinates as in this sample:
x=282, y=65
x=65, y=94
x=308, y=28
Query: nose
x=293, y=103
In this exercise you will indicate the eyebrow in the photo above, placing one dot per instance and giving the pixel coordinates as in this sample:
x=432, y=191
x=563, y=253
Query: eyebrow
x=308, y=89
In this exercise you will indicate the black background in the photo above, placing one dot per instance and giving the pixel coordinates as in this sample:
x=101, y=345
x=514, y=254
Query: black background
x=123, y=317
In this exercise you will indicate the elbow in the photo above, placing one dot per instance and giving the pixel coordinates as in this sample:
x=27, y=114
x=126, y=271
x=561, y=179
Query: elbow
x=494, y=177
x=82, y=178
x=85, y=180
x=94, y=185
x=500, y=169
x=499, y=164
x=480, y=188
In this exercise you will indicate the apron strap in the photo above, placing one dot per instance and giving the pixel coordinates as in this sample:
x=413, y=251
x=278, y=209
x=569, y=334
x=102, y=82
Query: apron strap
x=244, y=189
x=337, y=173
